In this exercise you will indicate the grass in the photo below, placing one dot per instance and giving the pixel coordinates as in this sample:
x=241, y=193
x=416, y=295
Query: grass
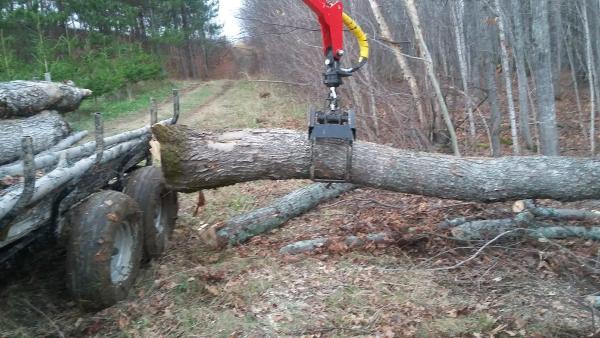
x=242, y=107
x=113, y=107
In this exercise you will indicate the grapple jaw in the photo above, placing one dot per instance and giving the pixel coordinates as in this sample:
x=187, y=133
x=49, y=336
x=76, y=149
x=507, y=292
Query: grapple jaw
x=332, y=135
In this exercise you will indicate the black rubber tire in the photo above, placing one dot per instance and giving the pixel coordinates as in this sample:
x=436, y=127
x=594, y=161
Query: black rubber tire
x=148, y=188
x=94, y=226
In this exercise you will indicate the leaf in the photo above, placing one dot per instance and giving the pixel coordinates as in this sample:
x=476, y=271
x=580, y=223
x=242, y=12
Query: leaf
x=213, y=290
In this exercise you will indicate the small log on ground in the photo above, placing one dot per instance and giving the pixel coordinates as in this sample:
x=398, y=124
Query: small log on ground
x=488, y=229
x=350, y=242
x=528, y=222
x=27, y=98
x=241, y=228
x=46, y=129
x=193, y=160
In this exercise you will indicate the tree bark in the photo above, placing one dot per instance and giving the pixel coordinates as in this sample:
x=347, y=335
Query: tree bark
x=489, y=75
x=542, y=68
x=46, y=129
x=461, y=50
x=507, y=73
x=522, y=79
x=591, y=75
x=27, y=98
x=195, y=160
x=241, y=228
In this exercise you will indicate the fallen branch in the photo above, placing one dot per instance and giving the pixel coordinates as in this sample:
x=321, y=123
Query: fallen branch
x=241, y=228
x=350, y=241
x=196, y=160
x=27, y=98
x=527, y=219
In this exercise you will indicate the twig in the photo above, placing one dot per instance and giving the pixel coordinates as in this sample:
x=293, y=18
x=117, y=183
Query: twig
x=476, y=253
x=58, y=331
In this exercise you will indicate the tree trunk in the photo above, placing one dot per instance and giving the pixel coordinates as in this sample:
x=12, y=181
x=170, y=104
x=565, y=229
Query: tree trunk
x=507, y=72
x=461, y=50
x=27, y=98
x=407, y=73
x=196, y=160
x=591, y=75
x=414, y=18
x=46, y=129
x=542, y=68
x=489, y=75
x=240, y=229
x=523, y=84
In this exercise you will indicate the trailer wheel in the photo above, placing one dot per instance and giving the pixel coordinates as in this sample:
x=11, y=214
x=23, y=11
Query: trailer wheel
x=159, y=207
x=105, y=249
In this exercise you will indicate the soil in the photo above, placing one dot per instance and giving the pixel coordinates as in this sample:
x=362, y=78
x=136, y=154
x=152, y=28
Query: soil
x=519, y=288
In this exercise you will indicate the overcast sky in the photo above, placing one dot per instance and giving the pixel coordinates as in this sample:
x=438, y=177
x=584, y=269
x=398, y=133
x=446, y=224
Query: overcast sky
x=228, y=9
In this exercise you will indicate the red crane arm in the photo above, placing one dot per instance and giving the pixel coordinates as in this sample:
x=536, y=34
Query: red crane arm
x=332, y=25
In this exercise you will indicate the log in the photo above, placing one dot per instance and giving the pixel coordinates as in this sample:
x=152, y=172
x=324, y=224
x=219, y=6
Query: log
x=488, y=229
x=241, y=228
x=46, y=129
x=61, y=175
x=194, y=160
x=50, y=159
x=350, y=241
x=27, y=98
x=67, y=142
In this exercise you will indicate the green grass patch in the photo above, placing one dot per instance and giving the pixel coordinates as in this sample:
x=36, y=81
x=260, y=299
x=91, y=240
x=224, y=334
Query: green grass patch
x=117, y=106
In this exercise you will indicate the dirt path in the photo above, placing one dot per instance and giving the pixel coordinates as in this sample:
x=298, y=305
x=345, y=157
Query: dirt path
x=193, y=96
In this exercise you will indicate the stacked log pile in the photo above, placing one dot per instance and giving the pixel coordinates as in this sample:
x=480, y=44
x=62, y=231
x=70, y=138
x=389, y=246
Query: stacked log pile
x=38, y=152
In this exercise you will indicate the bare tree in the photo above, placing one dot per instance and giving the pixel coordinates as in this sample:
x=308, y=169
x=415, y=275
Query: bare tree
x=506, y=70
x=591, y=75
x=542, y=69
x=401, y=59
x=523, y=82
x=416, y=24
x=458, y=12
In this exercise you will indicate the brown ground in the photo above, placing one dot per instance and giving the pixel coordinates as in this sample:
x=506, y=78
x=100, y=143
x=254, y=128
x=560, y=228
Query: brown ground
x=513, y=289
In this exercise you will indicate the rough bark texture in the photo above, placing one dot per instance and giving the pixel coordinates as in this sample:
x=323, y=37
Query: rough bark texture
x=27, y=98
x=240, y=229
x=46, y=129
x=195, y=160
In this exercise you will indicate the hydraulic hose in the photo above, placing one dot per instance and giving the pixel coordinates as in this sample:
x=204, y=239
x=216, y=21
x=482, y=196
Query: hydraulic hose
x=361, y=37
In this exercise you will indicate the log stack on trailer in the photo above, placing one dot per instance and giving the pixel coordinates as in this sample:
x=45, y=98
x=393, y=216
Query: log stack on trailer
x=102, y=199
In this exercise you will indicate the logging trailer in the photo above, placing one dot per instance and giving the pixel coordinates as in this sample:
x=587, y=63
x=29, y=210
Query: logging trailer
x=103, y=201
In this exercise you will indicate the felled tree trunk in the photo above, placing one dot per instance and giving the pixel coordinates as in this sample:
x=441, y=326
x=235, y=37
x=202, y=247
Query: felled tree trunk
x=195, y=160
x=240, y=229
x=46, y=129
x=27, y=98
